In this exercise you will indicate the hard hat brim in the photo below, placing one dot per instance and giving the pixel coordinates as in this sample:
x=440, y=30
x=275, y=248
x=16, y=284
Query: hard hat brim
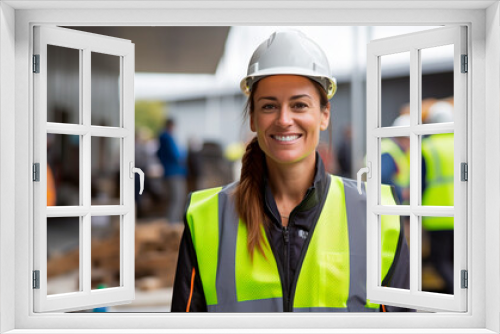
x=328, y=83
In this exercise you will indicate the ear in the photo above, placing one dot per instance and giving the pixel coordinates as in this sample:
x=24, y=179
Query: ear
x=252, y=126
x=325, y=117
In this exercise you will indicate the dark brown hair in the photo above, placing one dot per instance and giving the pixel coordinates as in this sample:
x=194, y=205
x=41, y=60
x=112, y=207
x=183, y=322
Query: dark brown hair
x=249, y=194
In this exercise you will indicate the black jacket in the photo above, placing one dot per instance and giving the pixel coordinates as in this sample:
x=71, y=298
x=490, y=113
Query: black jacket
x=287, y=245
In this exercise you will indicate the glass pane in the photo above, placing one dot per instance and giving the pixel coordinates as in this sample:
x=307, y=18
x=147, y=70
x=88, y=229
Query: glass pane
x=105, y=251
x=105, y=90
x=63, y=85
x=105, y=184
x=395, y=86
x=437, y=170
x=395, y=166
x=63, y=255
x=437, y=254
x=398, y=277
x=437, y=84
x=63, y=170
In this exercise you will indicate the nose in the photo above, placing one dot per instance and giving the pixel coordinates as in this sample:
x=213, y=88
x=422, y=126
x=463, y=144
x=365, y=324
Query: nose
x=284, y=118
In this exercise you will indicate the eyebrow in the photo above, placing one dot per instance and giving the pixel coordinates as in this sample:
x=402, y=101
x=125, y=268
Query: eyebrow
x=272, y=98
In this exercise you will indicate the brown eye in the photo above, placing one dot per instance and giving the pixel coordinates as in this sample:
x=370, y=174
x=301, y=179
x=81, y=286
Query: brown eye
x=300, y=105
x=268, y=107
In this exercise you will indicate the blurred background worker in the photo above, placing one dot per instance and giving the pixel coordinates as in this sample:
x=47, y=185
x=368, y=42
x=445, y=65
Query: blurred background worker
x=174, y=173
x=395, y=164
x=437, y=189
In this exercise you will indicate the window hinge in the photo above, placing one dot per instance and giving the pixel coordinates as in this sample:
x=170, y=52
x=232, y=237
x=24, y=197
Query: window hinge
x=36, y=63
x=464, y=171
x=465, y=64
x=465, y=279
x=36, y=279
x=36, y=172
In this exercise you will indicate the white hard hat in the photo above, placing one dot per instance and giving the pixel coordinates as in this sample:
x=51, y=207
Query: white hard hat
x=440, y=112
x=402, y=120
x=289, y=52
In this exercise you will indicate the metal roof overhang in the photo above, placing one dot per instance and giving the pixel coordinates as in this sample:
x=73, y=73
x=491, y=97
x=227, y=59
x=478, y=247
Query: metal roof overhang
x=171, y=49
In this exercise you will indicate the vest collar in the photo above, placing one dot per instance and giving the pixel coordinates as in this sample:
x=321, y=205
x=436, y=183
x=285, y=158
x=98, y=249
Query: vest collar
x=314, y=195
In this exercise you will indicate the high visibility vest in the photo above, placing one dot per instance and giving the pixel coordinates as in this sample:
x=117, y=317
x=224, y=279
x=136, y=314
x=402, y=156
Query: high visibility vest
x=437, y=150
x=332, y=277
x=402, y=178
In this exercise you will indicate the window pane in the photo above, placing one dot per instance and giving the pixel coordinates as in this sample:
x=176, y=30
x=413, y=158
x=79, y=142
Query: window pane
x=437, y=170
x=63, y=85
x=63, y=170
x=63, y=255
x=395, y=86
x=105, y=90
x=105, y=251
x=400, y=277
x=106, y=178
x=437, y=254
x=437, y=84
x=395, y=166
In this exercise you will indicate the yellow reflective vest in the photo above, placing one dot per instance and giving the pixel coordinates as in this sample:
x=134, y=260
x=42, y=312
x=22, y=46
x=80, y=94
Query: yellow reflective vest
x=437, y=150
x=332, y=277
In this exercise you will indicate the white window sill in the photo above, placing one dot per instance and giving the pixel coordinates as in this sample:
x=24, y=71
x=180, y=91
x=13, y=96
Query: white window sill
x=248, y=331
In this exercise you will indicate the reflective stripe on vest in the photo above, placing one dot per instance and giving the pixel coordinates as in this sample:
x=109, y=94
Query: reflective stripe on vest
x=402, y=178
x=437, y=150
x=332, y=277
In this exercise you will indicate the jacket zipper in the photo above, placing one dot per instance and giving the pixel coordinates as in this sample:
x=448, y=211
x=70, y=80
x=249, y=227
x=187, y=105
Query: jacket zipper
x=280, y=266
x=289, y=293
x=305, y=247
x=286, y=290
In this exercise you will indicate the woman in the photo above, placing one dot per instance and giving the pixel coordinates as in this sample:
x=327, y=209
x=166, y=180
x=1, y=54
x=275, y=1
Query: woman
x=287, y=236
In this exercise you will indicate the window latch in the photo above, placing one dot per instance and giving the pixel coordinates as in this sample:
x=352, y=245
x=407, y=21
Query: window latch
x=133, y=170
x=368, y=171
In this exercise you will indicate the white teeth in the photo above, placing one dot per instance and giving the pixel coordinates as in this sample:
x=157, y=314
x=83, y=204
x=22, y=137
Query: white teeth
x=286, y=138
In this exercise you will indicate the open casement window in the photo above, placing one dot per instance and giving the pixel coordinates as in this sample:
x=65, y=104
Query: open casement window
x=419, y=211
x=83, y=164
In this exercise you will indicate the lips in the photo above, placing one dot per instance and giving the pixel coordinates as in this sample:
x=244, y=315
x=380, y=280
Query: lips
x=286, y=138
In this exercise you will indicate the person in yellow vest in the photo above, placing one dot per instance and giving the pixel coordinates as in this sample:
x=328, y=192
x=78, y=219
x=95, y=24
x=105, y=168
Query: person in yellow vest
x=437, y=190
x=288, y=236
x=395, y=164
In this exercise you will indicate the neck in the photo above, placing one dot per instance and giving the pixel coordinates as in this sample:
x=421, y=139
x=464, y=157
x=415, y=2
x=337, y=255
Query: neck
x=289, y=182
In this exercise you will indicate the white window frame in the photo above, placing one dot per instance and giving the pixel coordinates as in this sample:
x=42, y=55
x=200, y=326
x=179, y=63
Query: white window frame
x=123, y=50
x=413, y=44
x=483, y=120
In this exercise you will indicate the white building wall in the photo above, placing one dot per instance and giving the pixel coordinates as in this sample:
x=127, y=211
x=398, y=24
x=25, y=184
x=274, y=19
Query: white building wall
x=217, y=119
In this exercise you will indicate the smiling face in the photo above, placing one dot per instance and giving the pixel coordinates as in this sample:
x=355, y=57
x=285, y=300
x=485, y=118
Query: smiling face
x=287, y=117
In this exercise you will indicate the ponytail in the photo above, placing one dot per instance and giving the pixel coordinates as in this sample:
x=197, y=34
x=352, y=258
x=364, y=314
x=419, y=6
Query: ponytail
x=249, y=195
